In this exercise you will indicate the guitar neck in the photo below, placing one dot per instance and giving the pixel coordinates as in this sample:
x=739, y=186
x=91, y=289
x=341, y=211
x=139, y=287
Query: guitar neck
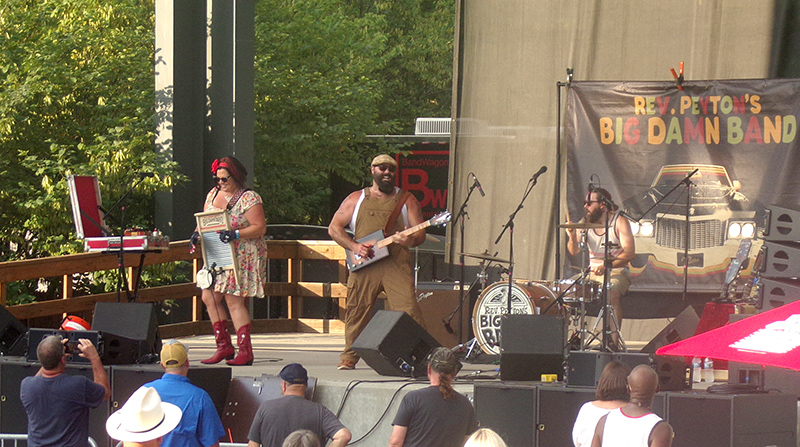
x=384, y=242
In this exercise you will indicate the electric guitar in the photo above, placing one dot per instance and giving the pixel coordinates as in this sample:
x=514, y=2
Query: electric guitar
x=381, y=243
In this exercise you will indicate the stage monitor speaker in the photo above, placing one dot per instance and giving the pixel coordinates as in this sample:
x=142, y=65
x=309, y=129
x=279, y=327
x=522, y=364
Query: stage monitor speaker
x=783, y=224
x=682, y=327
x=12, y=334
x=509, y=409
x=585, y=367
x=782, y=260
x=393, y=344
x=129, y=332
x=36, y=335
x=532, y=345
x=773, y=294
x=733, y=420
x=673, y=373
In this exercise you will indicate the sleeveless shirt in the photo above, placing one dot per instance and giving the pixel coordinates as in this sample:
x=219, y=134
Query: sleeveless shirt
x=596, y=243
x=625, y=431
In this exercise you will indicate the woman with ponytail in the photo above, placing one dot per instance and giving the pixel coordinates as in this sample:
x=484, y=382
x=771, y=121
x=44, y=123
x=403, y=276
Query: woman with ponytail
x=436, y=415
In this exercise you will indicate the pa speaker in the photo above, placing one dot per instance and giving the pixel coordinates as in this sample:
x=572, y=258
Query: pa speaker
x=509, y=409
x=129, y=332
x=774, y=293
x=532, y=345
x=393, y=344
x=783, y=224
x=733, y=420
x=36, y=335
x=782, y=260
x=682, y=327
x=12, y=334
x=585, y=367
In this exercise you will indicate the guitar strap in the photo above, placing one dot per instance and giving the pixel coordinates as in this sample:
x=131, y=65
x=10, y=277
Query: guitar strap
x=402, y=198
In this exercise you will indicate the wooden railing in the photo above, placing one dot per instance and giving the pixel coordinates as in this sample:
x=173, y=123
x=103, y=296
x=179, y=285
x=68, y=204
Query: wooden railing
x=294, y=289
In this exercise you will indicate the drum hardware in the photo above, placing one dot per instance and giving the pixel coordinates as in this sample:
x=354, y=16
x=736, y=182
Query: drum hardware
x=528, y=298
x=486, y=257
x=580, y=225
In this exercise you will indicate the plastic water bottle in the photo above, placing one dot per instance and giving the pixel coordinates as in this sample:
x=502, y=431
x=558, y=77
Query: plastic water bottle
x=696, y=369
x=708, y=370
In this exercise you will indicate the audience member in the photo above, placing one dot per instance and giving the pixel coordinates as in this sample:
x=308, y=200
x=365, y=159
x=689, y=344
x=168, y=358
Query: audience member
x=436, y=415
x=276, y=419
x=200, y=425
x=58, y=404
x=143, y=420
x=635, y=424
x=485, y=437
x=612, y=392
x=301, y=438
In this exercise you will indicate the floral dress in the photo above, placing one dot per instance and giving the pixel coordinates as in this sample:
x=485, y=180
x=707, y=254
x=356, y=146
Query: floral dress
x=250, y=253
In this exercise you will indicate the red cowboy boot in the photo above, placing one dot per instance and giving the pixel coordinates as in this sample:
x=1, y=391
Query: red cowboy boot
x=245, y=355
x=224, y=347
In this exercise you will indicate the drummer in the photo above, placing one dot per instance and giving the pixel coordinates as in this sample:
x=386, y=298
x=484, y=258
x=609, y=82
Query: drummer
x=621, y=250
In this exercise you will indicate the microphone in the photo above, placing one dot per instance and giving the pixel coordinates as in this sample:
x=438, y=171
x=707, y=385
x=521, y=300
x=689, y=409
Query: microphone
x=541, y=171
x=478, y=185
x=447, y=326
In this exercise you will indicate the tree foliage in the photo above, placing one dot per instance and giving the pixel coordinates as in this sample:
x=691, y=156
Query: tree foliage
x=330, y=73
x=76, y=97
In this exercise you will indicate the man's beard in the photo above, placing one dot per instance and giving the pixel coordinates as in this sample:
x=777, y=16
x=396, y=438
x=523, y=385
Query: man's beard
x=385, y=185
x=594, y=216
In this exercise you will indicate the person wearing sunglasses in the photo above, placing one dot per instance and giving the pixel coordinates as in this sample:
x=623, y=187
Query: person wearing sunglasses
x=598, y=209
x=247, y=236
x=381, y=206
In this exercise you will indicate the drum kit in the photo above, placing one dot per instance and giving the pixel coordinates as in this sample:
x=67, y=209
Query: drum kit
x=566, y=297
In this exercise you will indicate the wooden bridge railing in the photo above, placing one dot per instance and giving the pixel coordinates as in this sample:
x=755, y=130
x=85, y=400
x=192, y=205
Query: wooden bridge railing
x=66, y=266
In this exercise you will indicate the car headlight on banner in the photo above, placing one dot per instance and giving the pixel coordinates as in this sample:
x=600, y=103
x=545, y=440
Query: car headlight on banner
x=744, y=230
x=644, y=228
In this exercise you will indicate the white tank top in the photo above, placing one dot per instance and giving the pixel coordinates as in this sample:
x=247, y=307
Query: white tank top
x=626, y=431
x=596, y=243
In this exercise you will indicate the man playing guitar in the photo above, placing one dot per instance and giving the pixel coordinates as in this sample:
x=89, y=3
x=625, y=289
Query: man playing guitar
x=381, y=206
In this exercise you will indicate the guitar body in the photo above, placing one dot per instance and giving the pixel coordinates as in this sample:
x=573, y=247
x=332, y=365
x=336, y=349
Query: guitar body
x=355, y=262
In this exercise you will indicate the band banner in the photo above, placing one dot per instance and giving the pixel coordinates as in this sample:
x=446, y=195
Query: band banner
x=639, y=139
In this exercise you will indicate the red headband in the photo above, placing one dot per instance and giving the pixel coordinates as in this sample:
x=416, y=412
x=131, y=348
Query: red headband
x=217, y=164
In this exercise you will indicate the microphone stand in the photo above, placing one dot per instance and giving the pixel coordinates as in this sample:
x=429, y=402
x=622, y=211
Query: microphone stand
x=510, y=227
x=123, y=276
x=461, y=216
x=688, y=182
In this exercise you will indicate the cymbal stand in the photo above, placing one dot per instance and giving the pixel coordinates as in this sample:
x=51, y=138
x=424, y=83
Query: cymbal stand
x=584, y=274
x=473, y=343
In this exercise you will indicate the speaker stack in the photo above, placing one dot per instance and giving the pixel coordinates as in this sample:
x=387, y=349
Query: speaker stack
x=12, y=334
x=781, y=267
x=532, y=346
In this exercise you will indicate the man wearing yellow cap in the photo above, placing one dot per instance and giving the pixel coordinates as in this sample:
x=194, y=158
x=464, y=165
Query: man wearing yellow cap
x=200, y=425
x=364, y=212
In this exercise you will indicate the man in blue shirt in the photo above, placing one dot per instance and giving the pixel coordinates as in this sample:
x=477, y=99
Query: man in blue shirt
x=200, y=425
x=58, y=404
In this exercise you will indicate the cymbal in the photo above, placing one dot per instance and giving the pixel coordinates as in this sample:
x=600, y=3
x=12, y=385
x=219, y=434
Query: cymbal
x=486, y=257
x=432, y=238
x=581, y=225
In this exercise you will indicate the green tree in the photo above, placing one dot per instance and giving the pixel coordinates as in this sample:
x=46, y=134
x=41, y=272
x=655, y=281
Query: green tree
x=76, y=97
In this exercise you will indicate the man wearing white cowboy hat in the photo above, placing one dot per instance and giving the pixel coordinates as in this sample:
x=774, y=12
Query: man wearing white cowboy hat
x=143, y=420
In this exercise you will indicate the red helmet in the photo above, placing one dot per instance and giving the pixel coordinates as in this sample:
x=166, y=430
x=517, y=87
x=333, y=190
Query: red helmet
x=73, y=323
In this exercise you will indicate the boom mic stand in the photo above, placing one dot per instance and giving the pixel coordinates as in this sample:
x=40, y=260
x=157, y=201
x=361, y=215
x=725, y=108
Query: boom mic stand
x=688, y=182
x=123, y=276
x=461, y=216
x=510, y=227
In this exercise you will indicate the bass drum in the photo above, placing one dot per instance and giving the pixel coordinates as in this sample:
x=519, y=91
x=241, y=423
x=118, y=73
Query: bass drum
x=527, y=298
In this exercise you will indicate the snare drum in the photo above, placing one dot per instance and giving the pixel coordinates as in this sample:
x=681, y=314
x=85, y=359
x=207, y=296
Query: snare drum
x=527, y=298
x=586, y=291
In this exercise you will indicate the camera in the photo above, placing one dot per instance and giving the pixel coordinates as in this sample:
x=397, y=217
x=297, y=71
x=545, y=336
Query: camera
x=71, y=347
